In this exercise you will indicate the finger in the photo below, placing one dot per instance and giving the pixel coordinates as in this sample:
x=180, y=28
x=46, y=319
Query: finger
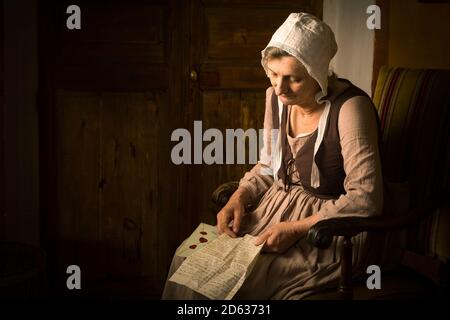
x=230, y=232
x=237, y=220
x=222, y=222
x=219, y=225
x=269, y=246
x=224, y=227
x=262, y=238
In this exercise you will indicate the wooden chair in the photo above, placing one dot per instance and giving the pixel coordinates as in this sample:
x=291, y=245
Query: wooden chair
x=414, y=111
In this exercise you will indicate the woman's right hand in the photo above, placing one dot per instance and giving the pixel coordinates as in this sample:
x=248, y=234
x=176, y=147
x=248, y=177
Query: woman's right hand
x=233, y=211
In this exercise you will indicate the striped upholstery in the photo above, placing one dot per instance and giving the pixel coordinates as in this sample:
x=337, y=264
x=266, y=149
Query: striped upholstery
x=414, y=110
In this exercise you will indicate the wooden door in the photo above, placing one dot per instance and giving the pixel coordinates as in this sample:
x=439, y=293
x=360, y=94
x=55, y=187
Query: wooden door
x=110, y=96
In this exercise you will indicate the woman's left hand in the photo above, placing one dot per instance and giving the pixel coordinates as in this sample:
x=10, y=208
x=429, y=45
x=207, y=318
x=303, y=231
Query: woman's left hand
x=281, y=236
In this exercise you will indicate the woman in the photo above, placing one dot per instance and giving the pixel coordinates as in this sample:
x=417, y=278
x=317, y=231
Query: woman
x=320, y=160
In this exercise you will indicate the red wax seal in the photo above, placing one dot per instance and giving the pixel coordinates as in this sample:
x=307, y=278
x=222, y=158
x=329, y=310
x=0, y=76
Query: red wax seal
x=193, y=246
x=203, y=239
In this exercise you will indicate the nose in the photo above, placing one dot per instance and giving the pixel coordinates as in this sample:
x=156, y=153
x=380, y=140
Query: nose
x=281, y=87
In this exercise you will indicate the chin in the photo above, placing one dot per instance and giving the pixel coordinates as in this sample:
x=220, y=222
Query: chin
x=286, y=100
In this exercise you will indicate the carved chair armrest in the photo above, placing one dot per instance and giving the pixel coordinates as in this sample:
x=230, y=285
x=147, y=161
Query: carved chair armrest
x=223, y=193
x=321, y=234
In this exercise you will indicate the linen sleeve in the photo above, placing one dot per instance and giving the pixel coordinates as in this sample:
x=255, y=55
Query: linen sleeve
x=359, y=146
x=259, y=179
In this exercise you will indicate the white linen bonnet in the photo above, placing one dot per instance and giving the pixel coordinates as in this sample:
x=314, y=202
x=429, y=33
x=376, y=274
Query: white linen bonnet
x=308, y=39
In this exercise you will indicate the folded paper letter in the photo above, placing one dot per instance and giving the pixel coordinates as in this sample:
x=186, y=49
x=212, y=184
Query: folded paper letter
x=218, y=269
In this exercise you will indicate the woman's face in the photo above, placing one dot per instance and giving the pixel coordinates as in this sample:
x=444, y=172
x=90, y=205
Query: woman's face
x=291, y=81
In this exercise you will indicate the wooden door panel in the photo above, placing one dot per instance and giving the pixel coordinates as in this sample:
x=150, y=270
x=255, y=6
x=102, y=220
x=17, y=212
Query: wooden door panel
x=104, y=76
x=233, y=36
x=233, y=76
x=118, y=46
x=117, y=29
x=109, y=209
x=77, y=226
x=129, y=176
x=240, y=33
